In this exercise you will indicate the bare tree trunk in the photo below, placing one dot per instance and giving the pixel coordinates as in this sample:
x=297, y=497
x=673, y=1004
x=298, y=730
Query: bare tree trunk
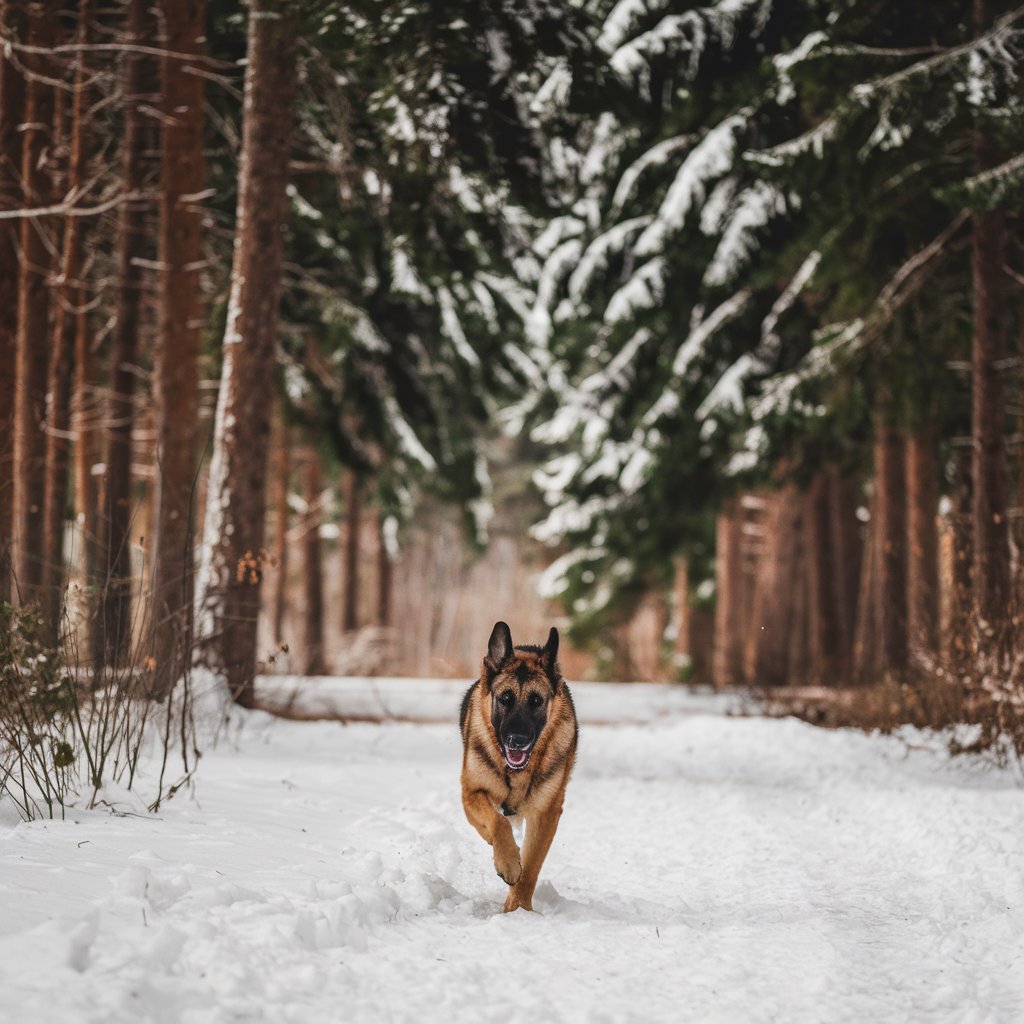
x=280, y=482
x=179, y=332
x=12, y=99
x=313, y=567
x=385, y=573
x=991, y=575
x=846, y=563
x=959, y=640
x=777, y=632
x=34, y=306
x=66, y=322
x=991, y=567
x=824, y=662
x=728, y=654
x=922, y=546
x=866, y=644
x=353, y=527
x=891, y=601
x=229, y=595
x=113, y=558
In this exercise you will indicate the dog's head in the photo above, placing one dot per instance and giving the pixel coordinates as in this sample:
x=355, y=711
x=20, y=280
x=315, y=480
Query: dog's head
x=521, y=682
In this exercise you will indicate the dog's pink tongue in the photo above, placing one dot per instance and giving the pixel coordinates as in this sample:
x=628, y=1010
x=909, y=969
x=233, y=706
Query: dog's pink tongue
x=516, y=757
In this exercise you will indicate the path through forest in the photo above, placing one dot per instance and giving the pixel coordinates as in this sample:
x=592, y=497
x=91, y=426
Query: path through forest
x=708, y=867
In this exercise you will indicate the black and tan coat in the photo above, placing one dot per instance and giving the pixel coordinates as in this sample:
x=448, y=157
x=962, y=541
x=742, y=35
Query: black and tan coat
x=519, y=738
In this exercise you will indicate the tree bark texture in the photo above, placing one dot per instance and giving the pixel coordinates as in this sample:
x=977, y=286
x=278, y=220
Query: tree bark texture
x=12, y=99
x=385, y=573
x=922, y=546
x=846, y=552
x=280, y=554
x=313, y=664
x=113, y=627
x=350, y=573
x=229, y=598
x=69, y=301
x=885, y=597
x=34, y=306
x=728, y=655
x=991, y=570
x=179, y=333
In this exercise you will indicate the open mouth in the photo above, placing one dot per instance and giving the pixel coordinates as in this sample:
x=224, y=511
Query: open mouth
x=517, y=760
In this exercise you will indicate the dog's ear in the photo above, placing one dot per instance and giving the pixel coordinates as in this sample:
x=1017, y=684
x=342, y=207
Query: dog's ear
x=499, y=647
x=550, y=654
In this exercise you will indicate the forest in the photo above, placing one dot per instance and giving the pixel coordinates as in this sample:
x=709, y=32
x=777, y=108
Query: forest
x=337, y=337
x=695, y=328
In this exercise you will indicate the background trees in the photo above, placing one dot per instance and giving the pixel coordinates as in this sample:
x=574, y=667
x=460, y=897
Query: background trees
x=741, y=279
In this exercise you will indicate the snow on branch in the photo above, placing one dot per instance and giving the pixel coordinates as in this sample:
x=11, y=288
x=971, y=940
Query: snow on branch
x=657, y=155
x=754, y=208
x=712, y=157
x=595, y=257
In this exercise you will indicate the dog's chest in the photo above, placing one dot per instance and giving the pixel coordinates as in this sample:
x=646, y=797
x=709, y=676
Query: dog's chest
x=518, y=794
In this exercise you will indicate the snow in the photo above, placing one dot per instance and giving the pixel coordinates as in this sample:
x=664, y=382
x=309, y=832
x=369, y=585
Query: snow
x=657, y=155
x=707, y=867
x=709, y=159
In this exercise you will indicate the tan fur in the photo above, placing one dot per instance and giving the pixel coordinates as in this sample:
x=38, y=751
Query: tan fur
x=535, y=793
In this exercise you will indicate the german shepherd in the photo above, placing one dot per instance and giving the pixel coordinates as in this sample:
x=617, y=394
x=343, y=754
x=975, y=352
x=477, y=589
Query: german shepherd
x=519, y=738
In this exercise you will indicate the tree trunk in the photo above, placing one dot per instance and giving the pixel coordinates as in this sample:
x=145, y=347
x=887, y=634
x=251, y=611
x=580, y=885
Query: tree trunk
x=385, y=573
x=112, y=638
x=959, y=637
x=824, y=661
x=866, y=656
x=777, y=634
x=12, y=99
x=313, y=567
x=846, y=563
x=280, y=501
x=922, y=546
x=229, y=596
x=66, y=322
x=176, y=381
x=350, y=574
x=891, y=596
x=728, y=654
x=991, y=575
x=34, y=306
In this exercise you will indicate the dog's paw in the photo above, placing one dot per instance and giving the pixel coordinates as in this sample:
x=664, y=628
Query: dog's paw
x=507, y=863
x=514, y=901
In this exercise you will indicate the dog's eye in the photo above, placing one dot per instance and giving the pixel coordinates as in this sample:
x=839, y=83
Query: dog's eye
x=535, y=700
x=506, y=698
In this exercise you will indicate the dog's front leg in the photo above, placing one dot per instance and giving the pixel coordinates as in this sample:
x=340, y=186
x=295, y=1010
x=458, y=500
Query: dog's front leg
x=540, y=831
x=495, y=828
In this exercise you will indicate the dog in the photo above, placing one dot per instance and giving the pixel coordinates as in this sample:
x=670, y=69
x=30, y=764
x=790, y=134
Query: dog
x=519, y=736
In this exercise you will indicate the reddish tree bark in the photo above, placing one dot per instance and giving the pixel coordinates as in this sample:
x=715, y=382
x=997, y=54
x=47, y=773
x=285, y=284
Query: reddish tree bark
x=991, y=570
x=229, y=595
x=922, y=545
x=991, y=567
x=385, y=574
x=846, y=565
x=959, y=638
x=12, y=98
x=66, y=322
x=885, y=597
x=179, y=333
x=313, y=664
x=350, y=570
x=280, y=501
x=824, y=661
x=112, y=638
x=33, y=305
x=727, y=663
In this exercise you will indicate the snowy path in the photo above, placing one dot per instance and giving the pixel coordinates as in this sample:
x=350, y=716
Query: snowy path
x=707, y=869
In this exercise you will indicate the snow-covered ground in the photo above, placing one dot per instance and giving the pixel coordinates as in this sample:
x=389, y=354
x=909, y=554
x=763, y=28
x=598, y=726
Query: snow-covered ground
x=707, y=868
